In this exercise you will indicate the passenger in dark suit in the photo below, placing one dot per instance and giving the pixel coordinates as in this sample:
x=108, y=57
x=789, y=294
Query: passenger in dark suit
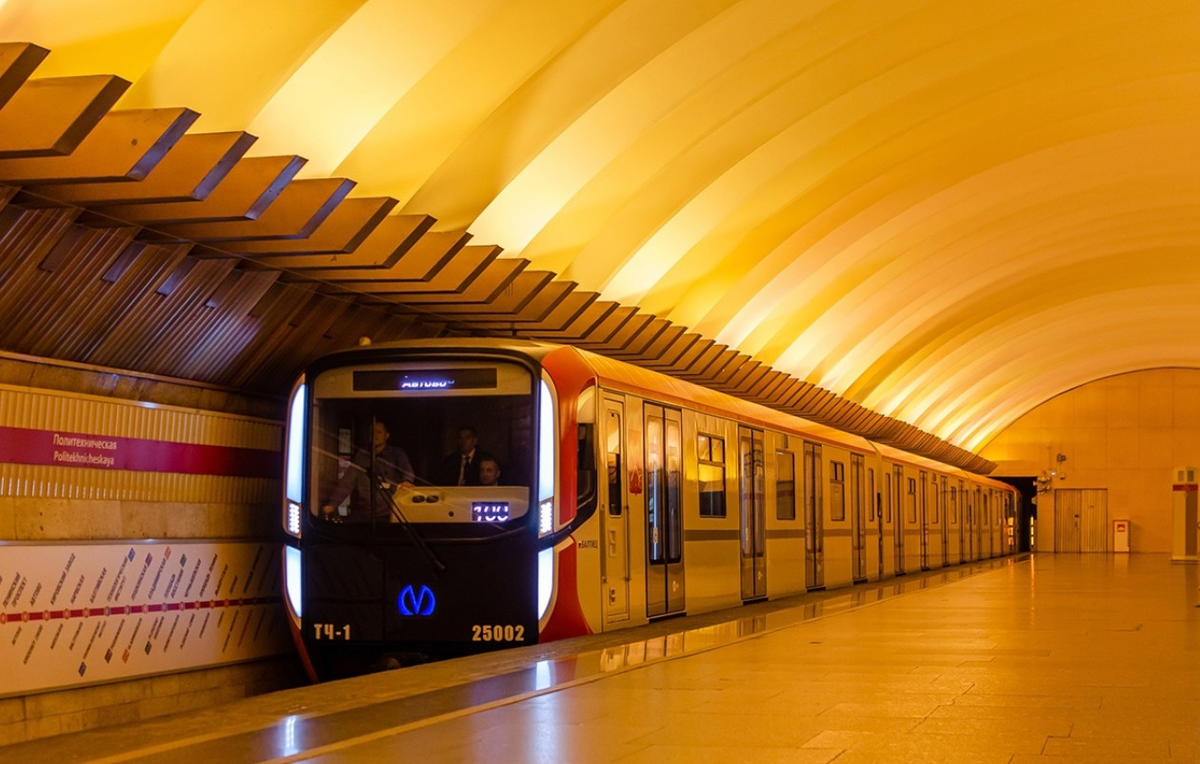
x=462, y=466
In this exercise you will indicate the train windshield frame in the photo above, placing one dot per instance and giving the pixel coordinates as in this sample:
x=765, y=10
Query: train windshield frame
x=386, y=442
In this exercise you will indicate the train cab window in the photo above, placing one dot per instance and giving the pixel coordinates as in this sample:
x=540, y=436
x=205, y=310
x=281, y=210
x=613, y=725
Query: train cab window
x=711, y=474
x=785, y=485
x=837, y=491
x=383, y=434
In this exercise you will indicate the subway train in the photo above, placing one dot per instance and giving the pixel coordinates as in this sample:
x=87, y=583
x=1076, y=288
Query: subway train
x=609, y=496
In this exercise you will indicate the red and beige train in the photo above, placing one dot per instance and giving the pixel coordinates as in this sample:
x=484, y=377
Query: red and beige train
x=624, y=495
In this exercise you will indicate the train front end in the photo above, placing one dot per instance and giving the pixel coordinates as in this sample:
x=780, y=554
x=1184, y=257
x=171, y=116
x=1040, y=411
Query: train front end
x=414, y=483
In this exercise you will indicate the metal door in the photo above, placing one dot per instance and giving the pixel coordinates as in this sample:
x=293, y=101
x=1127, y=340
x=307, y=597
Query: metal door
x=875, y=496
x=1081, y=520
x=945, y=521
x=960, y=512
x=923, y=518
x=858, y=517
x=814, y=530
x=615, y=515
x=898, y=506
x=988, y=528
x=977, y=526
x=751, y=485
x=664, y=512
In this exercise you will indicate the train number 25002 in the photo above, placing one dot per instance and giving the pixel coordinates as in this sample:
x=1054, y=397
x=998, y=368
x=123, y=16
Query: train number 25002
x=489, y=633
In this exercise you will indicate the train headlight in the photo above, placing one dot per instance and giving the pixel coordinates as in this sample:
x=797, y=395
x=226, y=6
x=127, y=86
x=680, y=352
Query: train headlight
x=293, y=518
x=546, y=516
x=291, y=562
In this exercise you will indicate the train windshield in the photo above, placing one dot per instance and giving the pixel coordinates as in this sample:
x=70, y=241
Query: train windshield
x=449, y=443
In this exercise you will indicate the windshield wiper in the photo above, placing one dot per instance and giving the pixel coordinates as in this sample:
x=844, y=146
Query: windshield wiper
x=387, y=491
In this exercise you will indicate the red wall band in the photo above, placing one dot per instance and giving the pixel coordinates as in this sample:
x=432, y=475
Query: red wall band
x=20, y=445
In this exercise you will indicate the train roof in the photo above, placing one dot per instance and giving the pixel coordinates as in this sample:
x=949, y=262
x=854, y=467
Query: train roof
x=614, y=373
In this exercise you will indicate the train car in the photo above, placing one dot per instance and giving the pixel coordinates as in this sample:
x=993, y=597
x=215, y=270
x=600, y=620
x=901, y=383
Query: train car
x=594, y=495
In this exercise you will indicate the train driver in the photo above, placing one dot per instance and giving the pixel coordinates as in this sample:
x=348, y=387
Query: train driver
x=388, y=464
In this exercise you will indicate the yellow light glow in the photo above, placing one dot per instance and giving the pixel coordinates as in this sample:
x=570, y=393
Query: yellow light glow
x=346, y=86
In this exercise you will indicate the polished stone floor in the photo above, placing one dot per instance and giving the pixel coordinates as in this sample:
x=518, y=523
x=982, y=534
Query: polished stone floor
x=1060, y=659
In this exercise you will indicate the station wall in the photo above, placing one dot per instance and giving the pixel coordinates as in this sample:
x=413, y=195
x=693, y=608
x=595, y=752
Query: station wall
x=1124, y=434
x=138, y=547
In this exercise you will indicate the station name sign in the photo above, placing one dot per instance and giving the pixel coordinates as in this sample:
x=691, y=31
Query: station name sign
x=20, y=445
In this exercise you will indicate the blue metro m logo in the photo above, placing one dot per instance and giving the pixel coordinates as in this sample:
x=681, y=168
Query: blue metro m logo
x=420, y=602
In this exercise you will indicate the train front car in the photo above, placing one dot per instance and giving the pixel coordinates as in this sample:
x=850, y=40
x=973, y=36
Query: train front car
x=400, y=549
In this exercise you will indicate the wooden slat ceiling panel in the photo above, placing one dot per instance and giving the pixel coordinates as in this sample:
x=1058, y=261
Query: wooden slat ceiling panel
x=555, y=306
x=126, y=241
x=421, y=262
x=396, y=236
x=581, y=325
x=344, y=230
x=52, y=117
x=189, y=172
x=18, y=60
x=125, y=145
x=245, y=193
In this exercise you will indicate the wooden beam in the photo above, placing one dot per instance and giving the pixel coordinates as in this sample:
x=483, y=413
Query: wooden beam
x=51, y=117
x=189, y=172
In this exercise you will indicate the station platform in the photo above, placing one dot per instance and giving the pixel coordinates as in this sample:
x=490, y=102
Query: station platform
x=1043, y=658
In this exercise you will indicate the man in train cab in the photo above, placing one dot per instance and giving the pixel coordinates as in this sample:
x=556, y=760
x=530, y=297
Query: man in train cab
x=489, y=471
x=462, y=466
x=385, y=464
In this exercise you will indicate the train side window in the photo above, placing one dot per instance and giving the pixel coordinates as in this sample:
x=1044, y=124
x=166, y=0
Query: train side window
x=674, y=490
x=785, y=485
x=837, y=491
x=711, y=474
x=912, y=500
x=616, y=499
x=871, y=494
x=934, y=500
x=887, y=495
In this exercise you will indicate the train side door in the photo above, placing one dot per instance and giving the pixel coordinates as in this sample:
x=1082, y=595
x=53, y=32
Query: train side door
x=945, y=521
x=923, y=506
x=858, y=515
x=876, y=497
x=664, y=511
x=751, y=484
x=814, y=511
x=964, y=501
x=898, y=505
x=615, y=571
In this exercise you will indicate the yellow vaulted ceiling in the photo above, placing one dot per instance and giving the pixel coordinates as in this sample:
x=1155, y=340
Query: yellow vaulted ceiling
x=945, y=211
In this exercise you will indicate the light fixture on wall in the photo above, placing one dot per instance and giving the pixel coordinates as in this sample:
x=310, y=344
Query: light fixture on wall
x=1046, y=480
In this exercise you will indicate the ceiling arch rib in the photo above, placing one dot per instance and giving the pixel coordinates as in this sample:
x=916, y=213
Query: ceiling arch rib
x=1018, y=353
x=893, y=375
x=961, y=164
x=1030, y=180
